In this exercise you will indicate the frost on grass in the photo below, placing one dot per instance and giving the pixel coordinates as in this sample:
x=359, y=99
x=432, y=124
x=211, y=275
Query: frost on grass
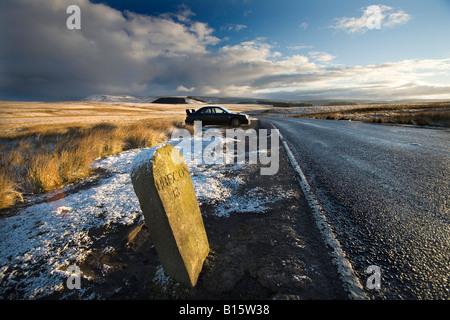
x=221, y=184
x=38, y=244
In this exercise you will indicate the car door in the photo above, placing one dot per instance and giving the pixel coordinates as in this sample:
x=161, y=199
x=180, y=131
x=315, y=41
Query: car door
x=220, y=116
x=206, y=116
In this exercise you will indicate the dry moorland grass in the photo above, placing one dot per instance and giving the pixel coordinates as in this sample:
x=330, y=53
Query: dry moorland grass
x=46, y=145
x=44, y=116
x=43, y=160
x=431, y=114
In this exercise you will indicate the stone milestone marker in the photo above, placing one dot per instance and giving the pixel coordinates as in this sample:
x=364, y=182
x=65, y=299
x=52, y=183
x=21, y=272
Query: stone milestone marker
x=163, y=185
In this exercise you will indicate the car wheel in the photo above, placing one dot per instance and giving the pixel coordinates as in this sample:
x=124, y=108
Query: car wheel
x=235, y=122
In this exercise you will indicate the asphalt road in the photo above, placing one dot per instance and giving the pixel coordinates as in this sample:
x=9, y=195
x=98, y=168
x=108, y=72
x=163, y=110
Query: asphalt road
x=385, y=193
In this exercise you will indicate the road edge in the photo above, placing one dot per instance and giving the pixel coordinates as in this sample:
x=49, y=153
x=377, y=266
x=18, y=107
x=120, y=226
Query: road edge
x=344, y=267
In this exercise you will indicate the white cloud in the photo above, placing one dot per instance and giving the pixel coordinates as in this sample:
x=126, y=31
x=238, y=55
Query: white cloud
x=396, y=18
x=114, y=51
x=239, y=27
x=300, y=47
x=204, y=33
x=304, y=25
x=387, y=17
x=394, y=80
x=248, y=51
x=184, y=89
x=208, y=90
x=321, y=56
x=234, y=27
x=129, y=53
x=184, y=14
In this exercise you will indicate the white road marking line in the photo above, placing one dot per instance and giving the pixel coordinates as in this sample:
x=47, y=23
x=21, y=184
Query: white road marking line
x=344, y=267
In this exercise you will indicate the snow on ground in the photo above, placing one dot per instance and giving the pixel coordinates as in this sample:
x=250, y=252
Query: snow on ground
x=54, y=235
x=39, y=243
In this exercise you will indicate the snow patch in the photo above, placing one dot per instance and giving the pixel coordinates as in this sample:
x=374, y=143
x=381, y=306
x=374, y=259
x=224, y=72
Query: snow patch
x=143, y=157
x=38, y=244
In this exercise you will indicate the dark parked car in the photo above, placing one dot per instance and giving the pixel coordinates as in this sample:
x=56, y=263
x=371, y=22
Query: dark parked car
x=214, y=115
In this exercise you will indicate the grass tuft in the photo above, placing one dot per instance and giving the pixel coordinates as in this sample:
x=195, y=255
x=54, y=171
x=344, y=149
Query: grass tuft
x=9, y=194
x=435, y=114
x=44, y=160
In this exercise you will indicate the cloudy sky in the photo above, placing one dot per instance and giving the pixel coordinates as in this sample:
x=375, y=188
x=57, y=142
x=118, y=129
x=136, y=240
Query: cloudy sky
x=283, y=49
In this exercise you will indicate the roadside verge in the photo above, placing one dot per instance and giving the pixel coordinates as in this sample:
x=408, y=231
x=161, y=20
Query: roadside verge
x=345, y=270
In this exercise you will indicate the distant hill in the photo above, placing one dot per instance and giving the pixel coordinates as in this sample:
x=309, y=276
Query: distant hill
x=211, y=100
x=171, y=100
x=237, y=100
x=140, y=99
x=123, y=98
